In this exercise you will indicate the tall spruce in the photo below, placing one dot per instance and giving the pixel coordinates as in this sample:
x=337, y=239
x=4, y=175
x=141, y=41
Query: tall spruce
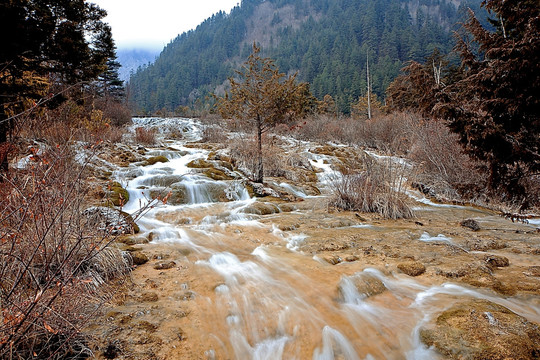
x=265, y=98
x=495, y=107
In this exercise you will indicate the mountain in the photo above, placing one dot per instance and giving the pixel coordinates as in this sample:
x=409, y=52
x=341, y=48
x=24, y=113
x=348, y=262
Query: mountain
x=132, y=59
x=326, y=41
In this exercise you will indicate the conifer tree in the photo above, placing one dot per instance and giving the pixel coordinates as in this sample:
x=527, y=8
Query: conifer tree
x=495, y=107
x=264, y=97
x=59, y=42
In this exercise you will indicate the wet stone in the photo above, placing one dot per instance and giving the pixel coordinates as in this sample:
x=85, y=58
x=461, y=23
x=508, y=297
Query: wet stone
x=164, y=265
x=480, y=329
x=332, y=259
x=139, y=258
x=412, y=268
x=495, y=261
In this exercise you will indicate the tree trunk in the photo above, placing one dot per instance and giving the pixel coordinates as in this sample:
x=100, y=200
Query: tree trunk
x=260, y=170
x=4, y=126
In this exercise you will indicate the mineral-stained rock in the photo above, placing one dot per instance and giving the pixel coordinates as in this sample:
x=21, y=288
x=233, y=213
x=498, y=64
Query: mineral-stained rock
x=366, y=284
x=164, y=265
x=476, y=244
x=471, y=224
x=333, y=259
x=149, y=297
x=412, y=268
x=480, y=329
x=139, y=258
x=495, y=261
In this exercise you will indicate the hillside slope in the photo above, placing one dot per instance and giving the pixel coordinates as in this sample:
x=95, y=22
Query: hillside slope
x=326, y=41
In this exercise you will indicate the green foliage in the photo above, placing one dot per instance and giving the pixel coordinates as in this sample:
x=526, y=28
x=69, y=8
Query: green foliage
x=326, y=42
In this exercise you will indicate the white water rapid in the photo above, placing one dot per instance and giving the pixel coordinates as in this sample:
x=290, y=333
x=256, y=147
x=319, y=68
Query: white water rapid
x=258, y=296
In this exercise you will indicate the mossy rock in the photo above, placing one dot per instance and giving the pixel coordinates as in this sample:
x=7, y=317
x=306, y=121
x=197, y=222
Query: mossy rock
x=155, y=159
x=178, y=195
x=117, y=194
x=130, y=221
x=139, y=258
x=366, y=284
x=480, y=329
x=199, y=164
x=216, y=174
x=412, y=268
x=260, y=208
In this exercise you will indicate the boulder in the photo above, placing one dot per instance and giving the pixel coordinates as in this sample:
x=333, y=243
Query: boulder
x=412, y=268
x=480, y=329
x=471, y=224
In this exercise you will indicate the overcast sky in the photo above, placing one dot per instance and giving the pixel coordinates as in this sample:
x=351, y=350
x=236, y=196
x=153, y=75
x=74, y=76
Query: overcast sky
x=154, y=23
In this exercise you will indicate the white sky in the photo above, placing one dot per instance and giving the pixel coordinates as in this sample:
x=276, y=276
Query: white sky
x=154, y=23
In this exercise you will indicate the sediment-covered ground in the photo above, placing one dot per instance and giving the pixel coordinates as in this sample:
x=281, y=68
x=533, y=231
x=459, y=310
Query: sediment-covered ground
x=223, y=272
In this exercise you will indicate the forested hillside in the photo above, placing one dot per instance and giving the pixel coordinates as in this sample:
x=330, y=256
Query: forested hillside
x=327, y=41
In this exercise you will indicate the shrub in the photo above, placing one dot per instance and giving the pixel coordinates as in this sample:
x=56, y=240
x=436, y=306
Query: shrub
x=377, y=189
x=442, y=164
x=145, y=136
x=52, y=262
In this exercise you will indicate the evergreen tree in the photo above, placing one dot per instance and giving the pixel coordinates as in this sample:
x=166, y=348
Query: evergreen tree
x=50, y=42
x=495, y=107
x=264, y=97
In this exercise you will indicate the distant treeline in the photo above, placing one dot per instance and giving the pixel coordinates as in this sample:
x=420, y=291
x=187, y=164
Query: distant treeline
x=326, y=41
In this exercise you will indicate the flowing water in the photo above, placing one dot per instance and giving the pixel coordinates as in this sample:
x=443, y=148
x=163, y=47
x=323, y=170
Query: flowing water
x=256, y=294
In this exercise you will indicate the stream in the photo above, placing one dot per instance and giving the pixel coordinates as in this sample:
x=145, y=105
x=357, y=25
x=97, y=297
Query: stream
x=252, y=288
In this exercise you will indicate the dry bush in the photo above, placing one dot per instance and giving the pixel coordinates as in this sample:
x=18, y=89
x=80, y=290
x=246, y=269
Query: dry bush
x=243, y=150
x=117, y=113
x=145, y=136
x=390, y=133
x=214, y=134
x=51, y=261
x=442, y=165
x=377, y=189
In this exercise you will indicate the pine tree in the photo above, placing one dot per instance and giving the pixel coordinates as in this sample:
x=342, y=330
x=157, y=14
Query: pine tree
x=264, y=97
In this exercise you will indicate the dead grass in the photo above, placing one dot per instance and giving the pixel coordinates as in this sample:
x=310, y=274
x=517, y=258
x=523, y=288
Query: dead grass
x=145, y=136
x=51, y=261
x=377, y=189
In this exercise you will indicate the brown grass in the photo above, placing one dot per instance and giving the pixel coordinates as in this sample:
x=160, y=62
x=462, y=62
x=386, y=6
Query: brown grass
x=51, y=260
x=377, y=189
x=145, y=136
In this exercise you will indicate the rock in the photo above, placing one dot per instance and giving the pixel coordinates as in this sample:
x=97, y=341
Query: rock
x=484, y=244
x=164, y=265
x=259, y=190
x=332, y=259
x=471, y=224
x=366, y=284
x=260, y=208
x=199, y=164
x=533, y=271
x=412, y=268
x=132, y=240
x=117, y=194
x=480, y=329
x=155, y=159
x=139, y=258
x=216, y=174
x=351, y=258
x=110, y=220
x=495, y=261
